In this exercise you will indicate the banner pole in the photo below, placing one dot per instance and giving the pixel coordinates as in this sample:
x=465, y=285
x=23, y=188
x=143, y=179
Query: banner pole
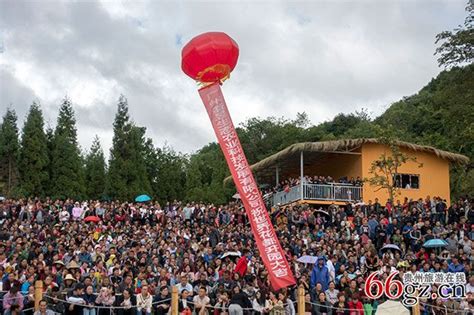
x=267, y=242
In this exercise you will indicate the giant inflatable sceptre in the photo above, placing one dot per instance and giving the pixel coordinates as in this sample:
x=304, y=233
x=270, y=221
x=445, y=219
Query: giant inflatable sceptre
x=209, y=58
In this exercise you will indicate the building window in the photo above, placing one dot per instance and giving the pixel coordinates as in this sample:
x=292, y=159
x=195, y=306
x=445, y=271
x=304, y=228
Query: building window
x=407, y=181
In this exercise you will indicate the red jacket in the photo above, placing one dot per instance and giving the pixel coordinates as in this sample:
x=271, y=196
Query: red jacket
x=356, y=308
x=241, y=267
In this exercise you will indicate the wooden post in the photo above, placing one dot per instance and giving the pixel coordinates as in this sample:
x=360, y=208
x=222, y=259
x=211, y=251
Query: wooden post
x=38, y=293
x=174, y=300
x=416, y=308
x=301, y=301
x=302, y=176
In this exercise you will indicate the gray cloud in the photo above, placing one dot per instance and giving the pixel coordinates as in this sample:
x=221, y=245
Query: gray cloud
x=319, y=57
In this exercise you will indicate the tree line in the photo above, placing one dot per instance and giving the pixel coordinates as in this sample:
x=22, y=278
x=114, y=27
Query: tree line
x=45, y=162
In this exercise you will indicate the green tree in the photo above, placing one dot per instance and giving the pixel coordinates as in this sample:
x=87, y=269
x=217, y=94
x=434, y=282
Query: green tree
x=49, y=189
x=170, y=180
x=95, y=171
x=262, y=137
x=34, y=154
x=205, y=174
x=457, y=46
x=67, y=164
x=441, y=115
x=9, y=151
x=127, y=175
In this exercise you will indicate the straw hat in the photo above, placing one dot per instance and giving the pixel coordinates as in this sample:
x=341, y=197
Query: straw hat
x=73, y=265
x=69, y=277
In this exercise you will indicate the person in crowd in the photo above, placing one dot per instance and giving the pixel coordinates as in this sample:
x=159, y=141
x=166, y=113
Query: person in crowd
x=162, y=301
x=75, y=302
x=89, y=297
x=320, y=274
x=201, y=302
x=239, y=302
x=126, y=303
x=43, y=309
x=355, y=305
x=322, y=305
x=29, y=302
x=144, y=301
x=332, y=293
x=105, y=299
x=13, y=299
x=185, y=306
x=185, y=285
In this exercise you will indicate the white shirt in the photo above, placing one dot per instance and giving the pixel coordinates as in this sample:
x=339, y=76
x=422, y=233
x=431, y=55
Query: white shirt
x=331, y=269
x=469, y=288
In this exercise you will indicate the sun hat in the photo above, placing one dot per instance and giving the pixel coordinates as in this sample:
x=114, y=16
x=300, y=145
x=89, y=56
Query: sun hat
x=73, y=265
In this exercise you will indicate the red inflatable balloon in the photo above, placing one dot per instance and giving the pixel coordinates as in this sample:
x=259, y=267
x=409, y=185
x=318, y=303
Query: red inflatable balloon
x=210, y=57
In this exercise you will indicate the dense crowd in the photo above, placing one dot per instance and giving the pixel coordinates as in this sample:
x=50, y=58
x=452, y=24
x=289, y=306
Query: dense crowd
x=128, y=262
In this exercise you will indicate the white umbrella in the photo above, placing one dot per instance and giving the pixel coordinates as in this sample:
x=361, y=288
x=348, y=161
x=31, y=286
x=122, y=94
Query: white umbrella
x=308, y=259
x=390, y=246
x=230, y=254
x=391, y=307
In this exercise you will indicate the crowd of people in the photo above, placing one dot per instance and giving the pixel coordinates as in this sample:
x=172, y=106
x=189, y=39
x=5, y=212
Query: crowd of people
x=129, y=261
x=315, y=179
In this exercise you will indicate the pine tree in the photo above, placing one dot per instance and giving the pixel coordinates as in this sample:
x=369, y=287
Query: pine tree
x=139, y=181
x=34, y=155
x=95, y=171
x=127, y=175
x=9, y=151
x=49, y=189
x=170, y=169
x=67, y=165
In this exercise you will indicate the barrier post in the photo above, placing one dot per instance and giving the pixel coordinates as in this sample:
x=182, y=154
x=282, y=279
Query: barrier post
x=416, y=307
x=301, y=301
x=38, y=293
x=174, y=300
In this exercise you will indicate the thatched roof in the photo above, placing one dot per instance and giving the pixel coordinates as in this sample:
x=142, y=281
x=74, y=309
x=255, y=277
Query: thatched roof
x=289, y=157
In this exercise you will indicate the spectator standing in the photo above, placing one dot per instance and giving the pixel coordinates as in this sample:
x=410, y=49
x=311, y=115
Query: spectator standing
x=320, y=274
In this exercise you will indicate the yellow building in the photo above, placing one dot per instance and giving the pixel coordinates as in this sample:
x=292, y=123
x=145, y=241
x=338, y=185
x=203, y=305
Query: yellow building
x=353, y=158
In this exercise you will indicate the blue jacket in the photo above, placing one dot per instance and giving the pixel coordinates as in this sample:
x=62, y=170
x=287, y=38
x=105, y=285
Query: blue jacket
x=85, y=257
x=320, y=275
x=372, y=226
x=455, y=268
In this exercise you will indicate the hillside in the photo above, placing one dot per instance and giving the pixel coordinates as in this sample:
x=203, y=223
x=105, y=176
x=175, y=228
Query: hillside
x=441, y=114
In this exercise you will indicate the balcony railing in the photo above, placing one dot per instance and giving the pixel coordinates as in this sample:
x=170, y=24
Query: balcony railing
x=326, y=192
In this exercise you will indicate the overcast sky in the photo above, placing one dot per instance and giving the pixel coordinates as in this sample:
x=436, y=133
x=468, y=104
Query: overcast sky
x=319, y=57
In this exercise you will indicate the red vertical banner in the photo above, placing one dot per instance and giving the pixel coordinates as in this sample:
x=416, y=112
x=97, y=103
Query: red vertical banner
x=267, y=242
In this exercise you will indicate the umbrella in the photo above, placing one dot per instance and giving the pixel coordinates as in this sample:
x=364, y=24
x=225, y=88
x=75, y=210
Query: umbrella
x=351, y=276
x=142, y=198
x=322, y=212
x=230, y=254
x=390, y=247
x=392, y=307
x=92, y=218
x=236, y=196
x=434, y=243
x=308, y=259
